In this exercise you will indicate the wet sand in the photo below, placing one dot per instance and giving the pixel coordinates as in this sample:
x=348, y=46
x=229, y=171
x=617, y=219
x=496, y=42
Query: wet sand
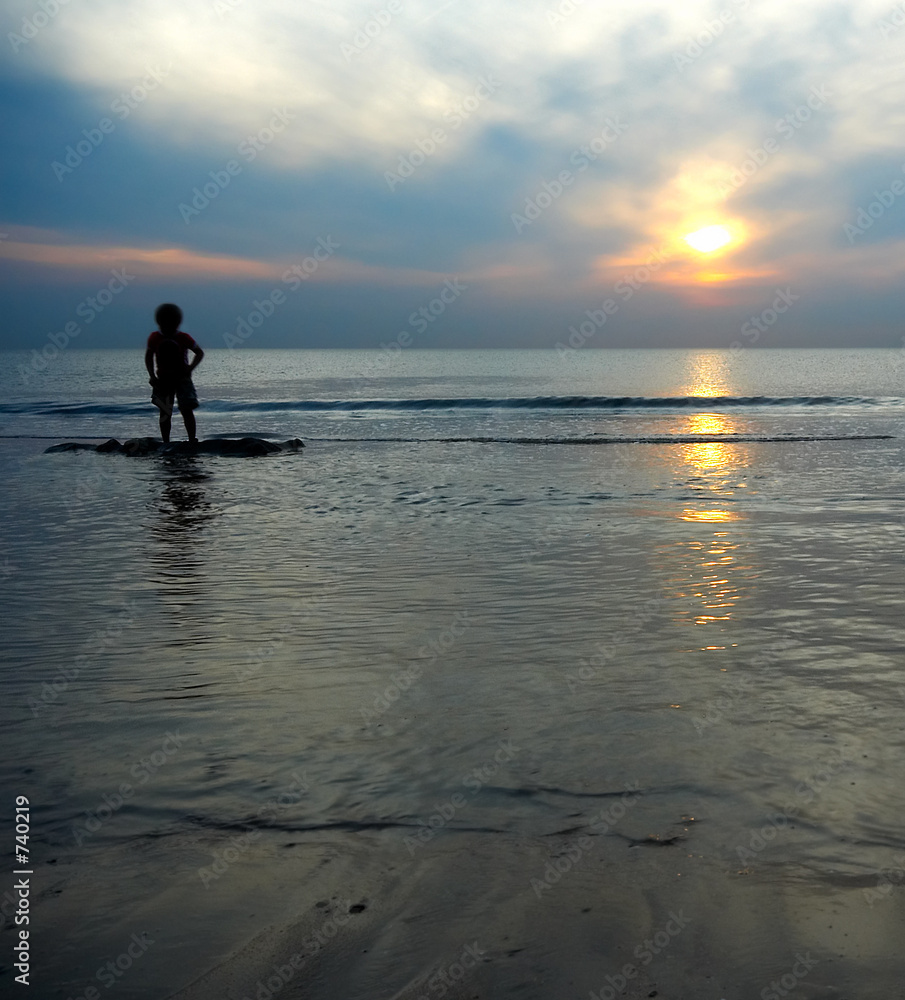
x=464, y=921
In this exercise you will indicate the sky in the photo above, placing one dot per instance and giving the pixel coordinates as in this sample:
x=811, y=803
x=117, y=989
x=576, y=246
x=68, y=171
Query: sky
x=474, y=173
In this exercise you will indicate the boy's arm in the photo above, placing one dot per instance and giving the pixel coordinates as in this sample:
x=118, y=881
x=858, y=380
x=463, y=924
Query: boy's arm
x=149, y=363
x=199, y=354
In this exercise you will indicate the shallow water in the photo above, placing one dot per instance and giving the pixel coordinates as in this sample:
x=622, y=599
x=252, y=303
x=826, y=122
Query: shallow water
x=402, y=648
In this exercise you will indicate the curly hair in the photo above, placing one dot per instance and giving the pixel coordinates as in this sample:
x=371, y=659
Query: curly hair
x=168, y=315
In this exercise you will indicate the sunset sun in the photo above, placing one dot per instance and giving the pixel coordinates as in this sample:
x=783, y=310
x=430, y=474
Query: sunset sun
x=708, y=239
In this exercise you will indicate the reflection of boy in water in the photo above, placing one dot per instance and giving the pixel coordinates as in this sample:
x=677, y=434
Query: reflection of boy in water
x=168, y=347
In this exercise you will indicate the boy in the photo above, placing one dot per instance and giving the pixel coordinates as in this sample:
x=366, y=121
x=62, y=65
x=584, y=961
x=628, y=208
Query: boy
x=172, y=378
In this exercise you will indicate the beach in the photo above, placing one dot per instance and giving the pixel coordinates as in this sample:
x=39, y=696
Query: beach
x=531, y=675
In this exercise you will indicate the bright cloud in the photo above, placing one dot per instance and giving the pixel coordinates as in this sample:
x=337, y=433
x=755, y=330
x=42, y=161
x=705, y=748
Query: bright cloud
x=470, y=138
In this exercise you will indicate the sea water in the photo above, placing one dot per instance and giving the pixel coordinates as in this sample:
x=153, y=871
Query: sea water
x=498, y=594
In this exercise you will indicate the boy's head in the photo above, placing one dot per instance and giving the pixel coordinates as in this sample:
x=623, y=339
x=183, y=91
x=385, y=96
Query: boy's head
x=168, y=317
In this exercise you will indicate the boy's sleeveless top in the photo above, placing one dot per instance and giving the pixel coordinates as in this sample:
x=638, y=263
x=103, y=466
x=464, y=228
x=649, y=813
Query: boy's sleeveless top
x=171, y=352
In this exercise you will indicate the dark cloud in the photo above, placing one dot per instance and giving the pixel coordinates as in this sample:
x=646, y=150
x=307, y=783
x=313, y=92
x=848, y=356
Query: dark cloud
x=421, y=152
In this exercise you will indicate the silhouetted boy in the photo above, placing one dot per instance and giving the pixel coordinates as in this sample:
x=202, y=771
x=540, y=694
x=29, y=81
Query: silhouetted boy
x=170, y=371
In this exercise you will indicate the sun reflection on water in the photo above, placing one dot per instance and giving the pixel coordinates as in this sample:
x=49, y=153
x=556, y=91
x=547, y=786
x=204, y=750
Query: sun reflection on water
x=708, y=375
x=709, y=583
x=714, y=470
x=705, y=456
x=716, y=591
x=713, y=516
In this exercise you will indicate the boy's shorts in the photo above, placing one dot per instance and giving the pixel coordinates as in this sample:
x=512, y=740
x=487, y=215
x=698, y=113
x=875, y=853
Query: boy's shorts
x=183, y=392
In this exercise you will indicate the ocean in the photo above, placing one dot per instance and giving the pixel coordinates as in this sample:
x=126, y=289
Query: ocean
x=535, y=674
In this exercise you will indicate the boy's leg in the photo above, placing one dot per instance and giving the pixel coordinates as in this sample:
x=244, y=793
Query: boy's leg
x=188, y=418
x=165, y=403
x=188, y=400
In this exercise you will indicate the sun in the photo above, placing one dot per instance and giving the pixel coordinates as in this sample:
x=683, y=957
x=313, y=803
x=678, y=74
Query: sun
x=708, y=239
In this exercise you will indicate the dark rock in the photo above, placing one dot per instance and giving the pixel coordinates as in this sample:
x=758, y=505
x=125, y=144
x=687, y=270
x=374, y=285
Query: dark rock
x=246, y=447
x=110, y=445
x=70, y=446
x=142, y=446
x=242, y=446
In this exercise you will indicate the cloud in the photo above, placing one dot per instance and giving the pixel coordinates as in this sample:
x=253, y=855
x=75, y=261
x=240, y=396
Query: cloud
x=417, y=132
x=49, y=251
x=175, y=263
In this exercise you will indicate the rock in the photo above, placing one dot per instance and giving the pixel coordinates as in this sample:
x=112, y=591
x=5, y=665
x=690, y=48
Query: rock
x=142, y=446
x=110, y=445
x=243, y=446
x=70, y=446
x=246, y=447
